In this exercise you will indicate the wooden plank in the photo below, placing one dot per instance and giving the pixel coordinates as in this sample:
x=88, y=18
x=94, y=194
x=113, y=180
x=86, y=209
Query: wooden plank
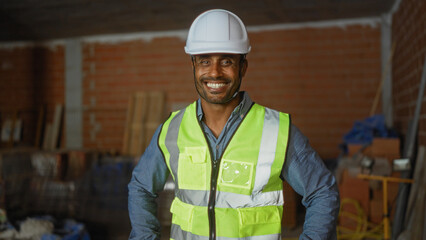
x=56, y=127
x=145, y=113
x=12, y=129
x=156, y=107
x=47, y=136
x=141, y=107
x=138, y=131
x=2, y=185
x=137, y=127
x=39, y=130
x=155, y=115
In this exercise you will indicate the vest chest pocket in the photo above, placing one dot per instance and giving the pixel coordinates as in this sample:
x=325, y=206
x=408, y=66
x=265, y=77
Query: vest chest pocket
x=192, y=169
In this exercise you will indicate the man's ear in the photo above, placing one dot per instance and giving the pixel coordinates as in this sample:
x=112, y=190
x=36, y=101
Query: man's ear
x=193, y=63
x=192, y=60
x=243, y=68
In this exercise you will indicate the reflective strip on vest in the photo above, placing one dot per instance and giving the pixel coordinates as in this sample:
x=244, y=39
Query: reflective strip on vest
x=178, y=233
x=258, y=221
x=171, y=151
x=268, y=145
x=249, y=191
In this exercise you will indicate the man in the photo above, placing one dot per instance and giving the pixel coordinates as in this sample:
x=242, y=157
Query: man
x=227, y=155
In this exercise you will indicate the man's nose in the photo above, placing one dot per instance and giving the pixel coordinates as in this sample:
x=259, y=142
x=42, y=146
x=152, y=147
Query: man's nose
x=215, y=70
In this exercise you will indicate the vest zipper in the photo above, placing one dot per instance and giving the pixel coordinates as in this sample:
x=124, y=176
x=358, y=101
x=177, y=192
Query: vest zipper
x=212, y=199
x=213, y=186
x=213, y=180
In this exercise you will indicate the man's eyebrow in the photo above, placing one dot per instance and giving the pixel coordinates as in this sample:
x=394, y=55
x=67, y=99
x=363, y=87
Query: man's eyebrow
x=221, y=55
x=229, y=56
x=203, y=56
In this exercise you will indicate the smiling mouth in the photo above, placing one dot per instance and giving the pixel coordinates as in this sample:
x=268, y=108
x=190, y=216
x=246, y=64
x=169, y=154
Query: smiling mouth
x=215, y=85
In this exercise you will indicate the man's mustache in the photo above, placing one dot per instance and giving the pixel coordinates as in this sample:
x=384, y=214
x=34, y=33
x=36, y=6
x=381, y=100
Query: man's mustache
x=215, y=79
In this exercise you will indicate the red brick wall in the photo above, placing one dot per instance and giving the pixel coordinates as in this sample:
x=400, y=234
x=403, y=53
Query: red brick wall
x=409, y=35
x=325, y=77
x=29, y=78
x=114, y=71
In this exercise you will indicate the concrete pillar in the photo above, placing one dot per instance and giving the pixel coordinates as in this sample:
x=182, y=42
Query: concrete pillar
x=73, y=95
x=386, y=44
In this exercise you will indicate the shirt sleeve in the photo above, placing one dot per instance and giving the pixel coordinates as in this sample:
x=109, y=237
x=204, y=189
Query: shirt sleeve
x=148, y=178
x=307, y=174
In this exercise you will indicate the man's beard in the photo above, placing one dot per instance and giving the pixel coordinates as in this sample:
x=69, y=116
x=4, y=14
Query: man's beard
x=199, y=86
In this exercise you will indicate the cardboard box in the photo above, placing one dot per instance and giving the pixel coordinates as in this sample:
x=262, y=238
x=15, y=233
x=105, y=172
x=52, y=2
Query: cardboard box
x=385, y=147
x=388, y=148
x=380, y=147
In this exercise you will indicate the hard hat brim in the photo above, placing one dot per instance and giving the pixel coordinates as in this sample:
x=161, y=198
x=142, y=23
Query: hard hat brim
x=216, y=50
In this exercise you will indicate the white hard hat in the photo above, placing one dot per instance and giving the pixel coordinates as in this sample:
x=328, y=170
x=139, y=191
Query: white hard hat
x=217, y=31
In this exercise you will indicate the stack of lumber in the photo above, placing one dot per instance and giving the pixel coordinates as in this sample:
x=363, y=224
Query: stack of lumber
x=144, y=114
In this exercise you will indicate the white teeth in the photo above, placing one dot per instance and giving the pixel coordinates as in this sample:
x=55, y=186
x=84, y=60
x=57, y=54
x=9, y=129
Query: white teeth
x=215, y=85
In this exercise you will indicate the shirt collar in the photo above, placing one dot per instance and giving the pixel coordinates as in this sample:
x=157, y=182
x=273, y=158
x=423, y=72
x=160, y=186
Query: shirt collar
x=241, y=109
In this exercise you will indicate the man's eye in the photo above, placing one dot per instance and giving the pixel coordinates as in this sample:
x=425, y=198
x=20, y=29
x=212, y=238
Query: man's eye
x=226, y=62
x=203, y=62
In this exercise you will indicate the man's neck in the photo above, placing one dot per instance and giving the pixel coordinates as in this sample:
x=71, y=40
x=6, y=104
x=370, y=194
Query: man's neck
x=216, y=115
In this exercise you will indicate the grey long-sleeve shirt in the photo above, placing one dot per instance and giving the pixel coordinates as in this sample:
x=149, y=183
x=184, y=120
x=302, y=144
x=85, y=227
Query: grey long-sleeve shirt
x=303, y=169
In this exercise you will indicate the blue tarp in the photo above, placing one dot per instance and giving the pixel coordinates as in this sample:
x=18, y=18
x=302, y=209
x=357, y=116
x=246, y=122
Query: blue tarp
x=71, y=230
x=364, y=131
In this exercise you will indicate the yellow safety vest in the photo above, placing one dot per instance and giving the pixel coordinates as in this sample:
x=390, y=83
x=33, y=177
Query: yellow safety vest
x=236, y=196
